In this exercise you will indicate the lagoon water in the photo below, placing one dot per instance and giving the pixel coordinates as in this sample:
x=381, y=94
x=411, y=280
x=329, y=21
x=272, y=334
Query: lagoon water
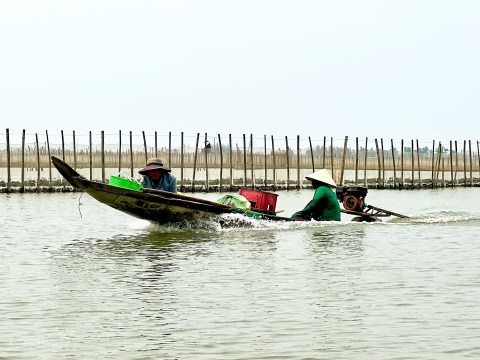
x=81, y=280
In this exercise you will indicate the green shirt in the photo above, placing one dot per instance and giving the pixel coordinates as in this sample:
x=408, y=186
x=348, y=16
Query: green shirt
x=323, y=207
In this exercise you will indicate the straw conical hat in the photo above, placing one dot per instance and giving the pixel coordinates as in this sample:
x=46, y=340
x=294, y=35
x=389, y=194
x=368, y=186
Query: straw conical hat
x=322, y=176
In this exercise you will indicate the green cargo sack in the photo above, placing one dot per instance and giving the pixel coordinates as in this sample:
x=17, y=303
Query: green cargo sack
x=235, y=200
x=125, y=183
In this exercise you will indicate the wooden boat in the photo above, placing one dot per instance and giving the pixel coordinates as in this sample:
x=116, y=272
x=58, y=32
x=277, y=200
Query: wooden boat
x=158, y=206
x=164, y=207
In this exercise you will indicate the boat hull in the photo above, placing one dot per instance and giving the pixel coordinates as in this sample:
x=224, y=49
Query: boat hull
x=160, y=211
x=157, y=206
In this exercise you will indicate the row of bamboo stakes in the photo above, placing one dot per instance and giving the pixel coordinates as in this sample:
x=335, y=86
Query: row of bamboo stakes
x=437, y=163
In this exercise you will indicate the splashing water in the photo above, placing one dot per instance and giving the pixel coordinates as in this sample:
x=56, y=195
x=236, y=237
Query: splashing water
x=440, y=217
x=233, y=222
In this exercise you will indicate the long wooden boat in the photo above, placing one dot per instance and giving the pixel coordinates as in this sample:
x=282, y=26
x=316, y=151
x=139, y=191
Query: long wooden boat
x=158, y=206
x=164, y=207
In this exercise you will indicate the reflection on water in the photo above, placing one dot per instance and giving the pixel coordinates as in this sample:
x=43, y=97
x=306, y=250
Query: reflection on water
x=329, y=241
x=110, y=286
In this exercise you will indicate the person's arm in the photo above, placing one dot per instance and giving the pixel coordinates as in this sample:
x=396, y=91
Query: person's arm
x=173, y=184
x=145, y=183
x=308, y=209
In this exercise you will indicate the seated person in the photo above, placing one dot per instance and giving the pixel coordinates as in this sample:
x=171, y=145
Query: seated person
x=156, y=176
x=324, y=206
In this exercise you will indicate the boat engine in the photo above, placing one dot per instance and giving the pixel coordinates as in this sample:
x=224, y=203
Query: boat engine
x=352, y=197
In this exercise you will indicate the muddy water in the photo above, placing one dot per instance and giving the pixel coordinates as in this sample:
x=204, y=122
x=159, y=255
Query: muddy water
x=81, y=280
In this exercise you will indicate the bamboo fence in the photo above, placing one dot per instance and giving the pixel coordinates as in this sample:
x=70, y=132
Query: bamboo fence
x=233, y=162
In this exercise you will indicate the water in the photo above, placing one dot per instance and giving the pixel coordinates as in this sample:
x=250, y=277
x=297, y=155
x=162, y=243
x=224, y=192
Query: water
x=81, y=280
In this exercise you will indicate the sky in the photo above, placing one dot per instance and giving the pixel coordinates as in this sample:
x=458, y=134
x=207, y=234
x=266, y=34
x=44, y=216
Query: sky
x=387, y=69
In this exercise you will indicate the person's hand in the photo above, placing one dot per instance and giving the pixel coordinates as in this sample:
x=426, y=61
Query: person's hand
x=298, y=218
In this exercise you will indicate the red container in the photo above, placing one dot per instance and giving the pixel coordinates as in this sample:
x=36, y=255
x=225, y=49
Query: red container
x=262, y=200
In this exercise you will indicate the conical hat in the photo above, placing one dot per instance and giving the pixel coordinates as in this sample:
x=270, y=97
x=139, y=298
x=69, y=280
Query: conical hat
x=322, y=176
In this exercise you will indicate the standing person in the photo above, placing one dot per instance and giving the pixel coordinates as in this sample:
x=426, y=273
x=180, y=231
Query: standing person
x=156, y=176
x=324, y=205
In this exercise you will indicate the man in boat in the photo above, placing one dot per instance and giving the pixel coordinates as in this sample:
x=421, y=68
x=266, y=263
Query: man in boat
x=324, y=206
x=156, y=176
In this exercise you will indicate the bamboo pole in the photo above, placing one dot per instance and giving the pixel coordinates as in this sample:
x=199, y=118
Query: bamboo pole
x=418, y=165
x=436, y=165
x=119, y=151
x=49, y=161
x=22, y=187
x=169, y=148
x=478, y=155
x=74, y=151
x=379, y=163
x=356, y=160
x=244, y=161
x=344, y=155
x=230, y=145
x=38, y=161
x=63, y=146
x=439, y=160
x=182, y=162
x=451, y=163
x=221, y=163
x=207, y=185
x=195, y=162
x=103, y=156
x=402, y=179
x=156, y=150
x=464, y=163
x=433, y=164
x=383, y=163
x=394, y=165
x=311, y=153
x=265, y=166
x=324, y=150
x=145, y=151
x=413, y=167
x=470, y=155
x=274, y=164
x=443, y=172
x=287, y=152
x=251, y=160
x=298, y=161
x=456, y=162
x=9, y=173
x=365, y=165
x=90, y=155
x=131, y=154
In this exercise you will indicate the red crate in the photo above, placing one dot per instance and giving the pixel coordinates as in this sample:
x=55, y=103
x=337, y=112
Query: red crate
x=262, y=200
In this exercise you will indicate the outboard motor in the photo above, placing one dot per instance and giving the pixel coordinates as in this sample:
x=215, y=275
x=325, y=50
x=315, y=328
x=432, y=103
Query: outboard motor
x=352, y=197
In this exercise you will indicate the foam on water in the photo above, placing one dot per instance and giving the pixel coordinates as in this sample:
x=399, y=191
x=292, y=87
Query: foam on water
x=444, y=217
x=233, y=222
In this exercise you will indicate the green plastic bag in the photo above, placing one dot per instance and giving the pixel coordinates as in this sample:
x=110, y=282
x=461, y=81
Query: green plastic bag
x=236, y=201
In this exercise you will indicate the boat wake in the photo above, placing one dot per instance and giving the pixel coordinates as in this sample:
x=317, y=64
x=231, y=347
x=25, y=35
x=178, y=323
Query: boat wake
x=441, y=217
x=233, y=222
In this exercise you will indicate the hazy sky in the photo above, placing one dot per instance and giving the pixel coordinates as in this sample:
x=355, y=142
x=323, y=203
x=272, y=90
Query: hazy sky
x=391, y=69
